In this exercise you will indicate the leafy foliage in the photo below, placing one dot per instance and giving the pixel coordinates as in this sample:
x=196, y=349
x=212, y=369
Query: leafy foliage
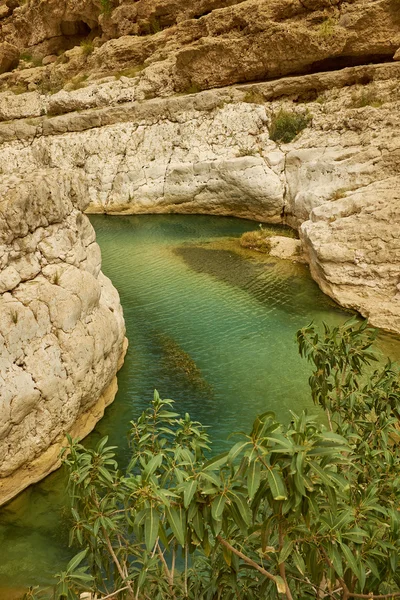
x=298, y=511
x=106, y=7
x=285, y=125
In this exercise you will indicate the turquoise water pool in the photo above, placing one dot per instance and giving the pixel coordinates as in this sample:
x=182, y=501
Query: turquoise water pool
x=208, y=327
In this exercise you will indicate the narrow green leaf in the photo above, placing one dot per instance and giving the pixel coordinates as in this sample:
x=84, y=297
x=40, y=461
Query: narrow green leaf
x=350, y=559
x=286, y=551
x=216, y=462
x=217, y=507
x=198, y=525
x=189, y=492
x=153, y=464
x=176, y=520
x=276, y=485
x=76, y=560
x=242, y=507
x=151, y=527
x=299, y=562
x=237, y=449
x=253, y=478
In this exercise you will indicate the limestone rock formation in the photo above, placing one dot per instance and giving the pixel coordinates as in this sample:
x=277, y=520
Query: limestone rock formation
x=9, y=57
x=353, y=249
x=61, y=324
x=212, y=153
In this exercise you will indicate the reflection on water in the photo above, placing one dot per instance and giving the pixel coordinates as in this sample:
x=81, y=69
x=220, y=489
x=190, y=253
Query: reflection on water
x=208, y=328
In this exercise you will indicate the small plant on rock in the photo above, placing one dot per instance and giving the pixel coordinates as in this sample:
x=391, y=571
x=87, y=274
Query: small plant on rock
x=193, y=88
x=254, y=97
x=327, y=28
x=106, y=7
x=367, y=97
x=87, y=47
x=256, y=240
x=285, y=125
x=56, y=278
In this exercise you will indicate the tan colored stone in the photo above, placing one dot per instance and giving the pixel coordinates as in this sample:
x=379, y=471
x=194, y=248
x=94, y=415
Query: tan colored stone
x=50, y=59
x=9, y=57
x=353, y=248
x=172, y=43
x=286, y=248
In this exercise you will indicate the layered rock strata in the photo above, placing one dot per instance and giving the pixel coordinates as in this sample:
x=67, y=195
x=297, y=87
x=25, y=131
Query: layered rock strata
x=61, y=324
x=174, y=45
x=101, y=104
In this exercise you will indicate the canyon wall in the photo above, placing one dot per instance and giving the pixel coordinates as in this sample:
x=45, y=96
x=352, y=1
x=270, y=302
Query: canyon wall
x=61, y=324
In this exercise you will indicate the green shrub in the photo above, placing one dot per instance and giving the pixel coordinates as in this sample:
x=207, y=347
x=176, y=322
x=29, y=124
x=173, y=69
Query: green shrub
x=78, y=81
x=367, y=97
x=87, y=47
x=18, y=89
x=253, y=97
x=285, y=125
x=27, y=56
x=297, y=511
x=35, y=60
x=106, y=7
x=193, y=88
x=256, y=240
x=155, y=25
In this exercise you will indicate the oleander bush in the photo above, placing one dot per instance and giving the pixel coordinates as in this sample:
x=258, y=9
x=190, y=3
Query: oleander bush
x=300, y=511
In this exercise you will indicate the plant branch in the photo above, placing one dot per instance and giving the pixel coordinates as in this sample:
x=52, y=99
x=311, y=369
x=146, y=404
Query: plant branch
x=164, y=562
x=114, y=593
x=246, y=559
x=116, y=561
x=282, y=568
x=375, y=596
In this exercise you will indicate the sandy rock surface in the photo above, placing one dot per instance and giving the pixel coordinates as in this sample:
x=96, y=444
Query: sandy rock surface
x=174, y=45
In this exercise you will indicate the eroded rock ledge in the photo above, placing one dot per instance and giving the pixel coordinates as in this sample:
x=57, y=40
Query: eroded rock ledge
x=61, y=326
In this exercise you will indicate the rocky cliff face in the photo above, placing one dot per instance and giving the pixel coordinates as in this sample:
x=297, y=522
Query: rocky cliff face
x=176, y=45
x=61, y=325
x=115, y=115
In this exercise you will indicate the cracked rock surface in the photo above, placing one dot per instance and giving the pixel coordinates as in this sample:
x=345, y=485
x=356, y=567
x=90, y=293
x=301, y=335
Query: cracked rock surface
x=61, y=324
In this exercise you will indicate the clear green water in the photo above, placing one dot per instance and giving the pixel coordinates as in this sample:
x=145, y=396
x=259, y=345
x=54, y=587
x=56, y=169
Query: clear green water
x=208, y=328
